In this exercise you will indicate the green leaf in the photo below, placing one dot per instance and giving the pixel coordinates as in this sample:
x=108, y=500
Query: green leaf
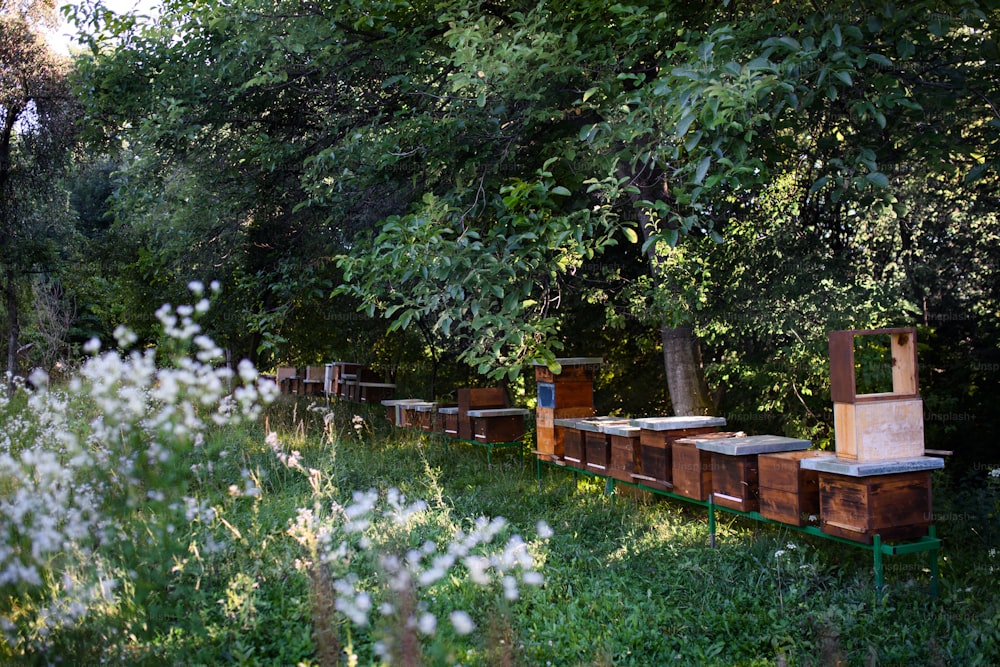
x=699, y=176
x=878, y=179
x=561, y=190
x=630, y=234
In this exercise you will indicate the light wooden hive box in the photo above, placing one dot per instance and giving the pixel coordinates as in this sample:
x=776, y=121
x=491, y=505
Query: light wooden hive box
x=875, y=427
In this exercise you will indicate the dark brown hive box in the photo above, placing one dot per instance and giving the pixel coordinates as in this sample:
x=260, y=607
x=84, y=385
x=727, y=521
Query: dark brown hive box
x=788, y=492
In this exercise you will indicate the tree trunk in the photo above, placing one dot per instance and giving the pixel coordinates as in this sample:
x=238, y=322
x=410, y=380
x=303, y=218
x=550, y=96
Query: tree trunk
x=686, y=383
x=13, y=327
x=689, y=394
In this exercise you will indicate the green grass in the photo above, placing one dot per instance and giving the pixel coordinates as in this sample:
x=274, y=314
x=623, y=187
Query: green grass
x=629, y=579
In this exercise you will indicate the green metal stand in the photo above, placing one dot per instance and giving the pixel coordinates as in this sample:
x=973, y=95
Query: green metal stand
x=930, y=544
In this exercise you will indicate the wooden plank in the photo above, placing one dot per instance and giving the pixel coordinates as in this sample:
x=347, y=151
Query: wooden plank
x=904, y=363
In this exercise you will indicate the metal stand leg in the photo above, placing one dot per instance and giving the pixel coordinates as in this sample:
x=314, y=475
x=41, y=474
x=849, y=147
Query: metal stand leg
x=711, y=520
x=609, y=486
x=879, y=573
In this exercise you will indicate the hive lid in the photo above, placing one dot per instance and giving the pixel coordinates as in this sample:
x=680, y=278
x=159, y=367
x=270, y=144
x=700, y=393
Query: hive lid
x=498, y=412
x=852, y=468
x=677, y=423
x=601, y=424
x=752, y=444
x=449, y=410
x=426, y=406
x=390, y=402
x=623, y=430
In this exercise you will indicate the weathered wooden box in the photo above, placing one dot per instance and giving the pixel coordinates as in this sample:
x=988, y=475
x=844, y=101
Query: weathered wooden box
x=735, y=467
x=313, y=380
x=624, y=451
x=896, y=507
x=789, y=493
x=692, y=467
x=287, y=379
x=574, y=446
x=449, y=420
x=337, y=374
x=656, y=438
x=413, y=413
x=477, y=399
x=879, y=430
x=876, y=426
x=426, y=416
x=498, y=424
x=597, y=443
x=858, y=500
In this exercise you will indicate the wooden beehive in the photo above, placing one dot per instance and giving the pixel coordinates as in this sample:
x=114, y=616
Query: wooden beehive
x=735, y=467
x=656, y=438
x=394, y=408
x=879, y=426
x=312, y=380
x=789, y=493
x=376, y=392
x=574, y=451
x=692, y=467
x=449, y=420
x=477, y=399
x=624, y=451
x=550, y=434
x=894, y=506
x=597, y=442
x=286, y=377
x=565, y=394
x=425, y=416
x=498, y=424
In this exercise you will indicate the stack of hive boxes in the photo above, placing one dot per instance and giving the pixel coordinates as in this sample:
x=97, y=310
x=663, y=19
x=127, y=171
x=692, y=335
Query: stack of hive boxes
x=565, y=391
x=880, y=481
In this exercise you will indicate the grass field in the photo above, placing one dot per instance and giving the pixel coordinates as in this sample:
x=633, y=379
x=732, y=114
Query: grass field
x=293, y=564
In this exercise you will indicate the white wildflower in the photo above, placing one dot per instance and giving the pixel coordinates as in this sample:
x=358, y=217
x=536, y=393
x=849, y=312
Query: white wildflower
x=462, y=622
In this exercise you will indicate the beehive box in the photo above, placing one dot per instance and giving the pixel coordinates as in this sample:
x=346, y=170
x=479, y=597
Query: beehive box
x=287, y=377
x=656, y=438
x=426, y=416
x=896, y=507
x=735, y=471
x=394, y=408
x=376, y=392
x=624, y=451
x=597, y=443
x=876, y=426
x=449, y=420
x=858, y=500
x=566, y=393
x=487, y=398
x=789, y=493
x=550, y=433
x=574, y=446
x=879, y=430
x=498, y=424
x=692, y=467
x=412, y=413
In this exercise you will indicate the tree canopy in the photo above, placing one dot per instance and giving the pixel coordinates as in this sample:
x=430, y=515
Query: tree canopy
x=465, y=170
